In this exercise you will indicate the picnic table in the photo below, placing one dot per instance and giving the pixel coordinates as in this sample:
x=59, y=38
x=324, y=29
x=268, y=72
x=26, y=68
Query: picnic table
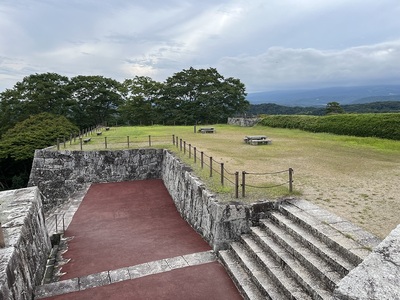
x=207, y=130
x=257, y=140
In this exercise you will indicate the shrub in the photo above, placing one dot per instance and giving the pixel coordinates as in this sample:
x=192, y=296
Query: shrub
x=364, y=125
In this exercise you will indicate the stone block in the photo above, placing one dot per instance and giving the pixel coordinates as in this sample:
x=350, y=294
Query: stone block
x=94, y=280
x=378, y=276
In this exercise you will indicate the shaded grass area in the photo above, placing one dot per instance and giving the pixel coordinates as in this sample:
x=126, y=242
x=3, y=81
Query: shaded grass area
x=354, y=177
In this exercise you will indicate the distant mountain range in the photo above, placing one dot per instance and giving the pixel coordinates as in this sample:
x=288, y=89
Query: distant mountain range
x=320, y=97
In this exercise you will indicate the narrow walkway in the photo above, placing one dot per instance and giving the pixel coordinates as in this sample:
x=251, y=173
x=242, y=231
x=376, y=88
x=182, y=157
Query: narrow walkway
x=130, y=242
x=128, y=273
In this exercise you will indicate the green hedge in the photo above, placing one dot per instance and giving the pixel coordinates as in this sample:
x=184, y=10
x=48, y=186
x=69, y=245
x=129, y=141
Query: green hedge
x=366, y=125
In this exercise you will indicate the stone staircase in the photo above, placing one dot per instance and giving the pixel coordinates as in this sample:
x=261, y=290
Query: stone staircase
x=299, y=251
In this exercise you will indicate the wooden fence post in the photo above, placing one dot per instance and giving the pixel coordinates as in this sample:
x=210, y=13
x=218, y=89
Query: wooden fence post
x=105, y=142
x=202, y=159
x=80, y=142
x=290, y=180
x=194, y=154
x=243, y=184
x=222, y=173
x=237, y=184
x=211, y=169
x=127, y=139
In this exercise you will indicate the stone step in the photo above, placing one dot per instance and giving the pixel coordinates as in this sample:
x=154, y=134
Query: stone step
x=241, y=279
x=269, y=276
x=334, y=239
x=316, y=266
x=339, y=262
x=290, y=266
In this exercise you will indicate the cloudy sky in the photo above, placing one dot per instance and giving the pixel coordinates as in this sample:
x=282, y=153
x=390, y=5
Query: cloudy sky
x=267, y=44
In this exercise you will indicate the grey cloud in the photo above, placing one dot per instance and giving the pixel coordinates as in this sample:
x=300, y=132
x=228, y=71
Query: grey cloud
x=272, y=44
x=280, y=68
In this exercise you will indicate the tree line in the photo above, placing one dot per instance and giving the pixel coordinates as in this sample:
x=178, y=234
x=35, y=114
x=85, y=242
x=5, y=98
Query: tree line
x=187, y=97
x=44, y=107
x=373, y=107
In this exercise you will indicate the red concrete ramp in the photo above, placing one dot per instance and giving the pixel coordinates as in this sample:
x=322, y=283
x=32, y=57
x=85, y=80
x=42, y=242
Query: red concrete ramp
x=130, y=223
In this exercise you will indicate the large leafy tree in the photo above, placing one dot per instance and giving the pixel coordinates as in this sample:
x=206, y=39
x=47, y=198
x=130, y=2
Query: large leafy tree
x=334, y=108
x=202, y=95
x=96, y=100
x=36, y=93
x=140, y=95
x=36, y=132
x=19, y=143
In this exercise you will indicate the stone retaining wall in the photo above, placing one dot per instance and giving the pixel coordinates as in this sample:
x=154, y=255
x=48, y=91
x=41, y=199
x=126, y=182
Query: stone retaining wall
x=27, y=244
x=218, y=223
x=244, y=122
x=59, y=174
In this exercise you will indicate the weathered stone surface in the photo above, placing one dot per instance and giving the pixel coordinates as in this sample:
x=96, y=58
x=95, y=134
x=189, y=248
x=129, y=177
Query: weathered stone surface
x=218, y=223
x=244, y=122
x=200, y=258
x=94, y=280
x=378, y=276
x=59, y=174
x=27, y=244
x=119, y=275
x=62, y=287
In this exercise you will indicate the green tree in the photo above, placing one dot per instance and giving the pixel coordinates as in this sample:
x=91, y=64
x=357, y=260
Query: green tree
x=96, y=100
x=36, y=132
x=35, y=94
x=140, y=95
x=334, y=108
x=18, y=144
x=201, y=95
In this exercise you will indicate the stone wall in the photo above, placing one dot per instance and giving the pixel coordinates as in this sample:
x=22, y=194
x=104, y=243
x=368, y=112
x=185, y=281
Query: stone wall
x=244, y=122
x=59, y=174
x=218, y=223
x=378, y=276
x=27, y=244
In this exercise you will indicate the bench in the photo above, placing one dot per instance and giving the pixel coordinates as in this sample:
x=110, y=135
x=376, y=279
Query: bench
x=99, y=133
x=207, y=130
x=261, y=142
x=86, y=140
x=257, y=140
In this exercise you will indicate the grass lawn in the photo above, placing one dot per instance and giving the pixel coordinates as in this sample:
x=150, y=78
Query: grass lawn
x=356, y=178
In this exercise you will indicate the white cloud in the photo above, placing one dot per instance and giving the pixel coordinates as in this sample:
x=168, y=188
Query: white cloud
x=274, y=44
x=280, y=68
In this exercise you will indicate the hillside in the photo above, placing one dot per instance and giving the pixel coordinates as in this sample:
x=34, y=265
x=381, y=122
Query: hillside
x=320, y=97
x=275, y=109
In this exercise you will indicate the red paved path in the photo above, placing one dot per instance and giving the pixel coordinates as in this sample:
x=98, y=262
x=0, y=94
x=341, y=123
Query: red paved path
x=124, y=224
